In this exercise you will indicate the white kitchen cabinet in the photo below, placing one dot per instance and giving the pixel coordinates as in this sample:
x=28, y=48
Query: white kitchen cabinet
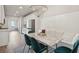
x=4, y=36
x=2, y=14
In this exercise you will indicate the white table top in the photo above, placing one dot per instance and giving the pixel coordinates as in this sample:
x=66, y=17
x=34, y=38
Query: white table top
x=49, y=40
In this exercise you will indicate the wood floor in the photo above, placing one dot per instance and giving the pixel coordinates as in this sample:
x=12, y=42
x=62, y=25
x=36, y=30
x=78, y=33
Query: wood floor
x=15, y=43
x=3, y=49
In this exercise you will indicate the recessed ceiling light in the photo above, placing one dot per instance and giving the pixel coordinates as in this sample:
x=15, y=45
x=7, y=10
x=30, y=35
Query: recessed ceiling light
x=21, y=7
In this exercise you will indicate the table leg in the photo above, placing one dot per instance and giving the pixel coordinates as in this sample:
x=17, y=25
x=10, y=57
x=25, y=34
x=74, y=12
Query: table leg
x=56, y=45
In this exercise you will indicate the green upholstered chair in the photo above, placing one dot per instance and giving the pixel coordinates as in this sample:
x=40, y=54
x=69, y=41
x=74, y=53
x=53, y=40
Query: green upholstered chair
x=38, y=47
x=27, y=41
x=64, y=49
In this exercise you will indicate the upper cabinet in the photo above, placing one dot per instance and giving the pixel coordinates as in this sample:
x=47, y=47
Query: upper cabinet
x=2, y=14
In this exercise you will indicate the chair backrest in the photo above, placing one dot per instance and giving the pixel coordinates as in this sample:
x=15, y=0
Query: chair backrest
x=27, y=39
x=75, y=47
x=35, y=45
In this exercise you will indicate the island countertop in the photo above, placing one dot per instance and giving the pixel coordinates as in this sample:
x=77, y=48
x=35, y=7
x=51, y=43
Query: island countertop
x=4, y=29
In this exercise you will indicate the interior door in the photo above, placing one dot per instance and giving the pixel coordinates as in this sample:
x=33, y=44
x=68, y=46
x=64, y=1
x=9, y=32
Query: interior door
x=33, y=25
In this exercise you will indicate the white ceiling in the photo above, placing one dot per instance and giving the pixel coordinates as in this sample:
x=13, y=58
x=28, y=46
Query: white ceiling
x=62, y=9
x=15, y=10
x=21, y=10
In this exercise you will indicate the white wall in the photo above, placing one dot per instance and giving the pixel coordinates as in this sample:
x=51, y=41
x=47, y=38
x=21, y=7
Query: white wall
x=64, y=22
x=17, y=21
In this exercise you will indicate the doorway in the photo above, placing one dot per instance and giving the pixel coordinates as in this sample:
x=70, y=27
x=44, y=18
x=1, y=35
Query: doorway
x=32, y=24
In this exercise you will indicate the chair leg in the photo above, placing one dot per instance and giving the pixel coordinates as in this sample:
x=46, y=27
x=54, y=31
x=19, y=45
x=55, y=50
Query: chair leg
x=47, y=50
x=28, y=49
x=24, y=48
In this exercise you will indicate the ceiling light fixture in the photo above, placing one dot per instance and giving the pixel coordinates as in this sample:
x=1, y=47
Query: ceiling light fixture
x=20, y=7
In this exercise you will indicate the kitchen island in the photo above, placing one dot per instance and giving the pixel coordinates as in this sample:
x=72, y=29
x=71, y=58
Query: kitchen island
x=4, y=36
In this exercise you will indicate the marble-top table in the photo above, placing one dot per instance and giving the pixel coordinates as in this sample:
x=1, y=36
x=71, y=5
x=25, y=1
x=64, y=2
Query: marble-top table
x=48, y=39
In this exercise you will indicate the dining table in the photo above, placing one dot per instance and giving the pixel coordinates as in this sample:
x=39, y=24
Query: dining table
x=49, y=40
